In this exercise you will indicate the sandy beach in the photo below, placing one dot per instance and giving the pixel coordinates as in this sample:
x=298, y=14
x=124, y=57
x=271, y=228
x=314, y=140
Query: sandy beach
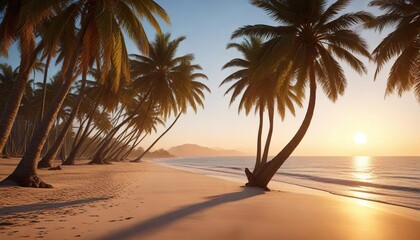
x=150, y=201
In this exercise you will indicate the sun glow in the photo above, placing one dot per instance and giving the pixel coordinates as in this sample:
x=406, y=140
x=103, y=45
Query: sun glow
x=360, y=138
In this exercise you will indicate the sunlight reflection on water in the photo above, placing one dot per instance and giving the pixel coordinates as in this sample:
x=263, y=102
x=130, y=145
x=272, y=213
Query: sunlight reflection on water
x=363, y=168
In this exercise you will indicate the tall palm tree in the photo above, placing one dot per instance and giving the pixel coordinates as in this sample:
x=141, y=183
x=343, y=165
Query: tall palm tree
x=402, y=43
x=309, y=37
x=23, y=129
x=160, y=73
x=49, y=157
x=171, y=79
x=17, y=25
x=99, y=27
x=262, y=91
x=243, y=77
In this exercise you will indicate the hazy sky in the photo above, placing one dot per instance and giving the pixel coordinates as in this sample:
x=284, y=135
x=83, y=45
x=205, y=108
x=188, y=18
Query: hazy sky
x=391, y=124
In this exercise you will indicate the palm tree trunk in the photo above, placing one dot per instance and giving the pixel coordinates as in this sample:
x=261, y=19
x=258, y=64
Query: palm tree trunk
x=124, y=145
x=144, y=119
x=262, y=177
x=135, y=144
x=25, y=172
x=270, y=133
x=47, y=160
x=79, y=131
x=93, y=142
x=157, y=140
x=98, y=157
x=13, y=104
x=72, y=156
x=44, y=87
x=259, y=137
x=115, y=143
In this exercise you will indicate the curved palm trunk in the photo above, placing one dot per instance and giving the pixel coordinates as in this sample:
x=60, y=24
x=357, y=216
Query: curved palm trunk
x=117, y=142
x=79, y=131
x=260, y=128
x=135, y=144
x=262, y=177
x=70, y=160
x=25, y=172
x=157, y=140
x=98, y=157
x=13, y=104
x=92, y=141
x=44, y=87
x=269, y=135
x=47, y=160
x=118, y=150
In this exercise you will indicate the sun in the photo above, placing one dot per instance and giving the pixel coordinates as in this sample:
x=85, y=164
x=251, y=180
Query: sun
x=360, y=138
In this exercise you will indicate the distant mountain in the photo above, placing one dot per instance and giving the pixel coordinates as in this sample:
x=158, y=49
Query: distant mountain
x=161, y=153
x=193, y=150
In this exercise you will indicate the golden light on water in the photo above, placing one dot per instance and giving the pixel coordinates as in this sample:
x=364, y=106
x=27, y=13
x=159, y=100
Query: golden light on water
x=363, y=168
x=362, y=172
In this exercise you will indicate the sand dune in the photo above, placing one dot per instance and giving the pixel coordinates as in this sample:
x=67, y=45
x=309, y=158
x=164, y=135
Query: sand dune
x=148, y=201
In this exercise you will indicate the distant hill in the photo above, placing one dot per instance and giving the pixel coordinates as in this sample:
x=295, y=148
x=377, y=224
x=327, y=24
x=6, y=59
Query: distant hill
x=193, y=150
x=161, y=153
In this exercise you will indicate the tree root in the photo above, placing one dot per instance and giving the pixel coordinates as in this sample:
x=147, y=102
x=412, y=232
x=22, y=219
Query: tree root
x=28, y=181
x=253, y=181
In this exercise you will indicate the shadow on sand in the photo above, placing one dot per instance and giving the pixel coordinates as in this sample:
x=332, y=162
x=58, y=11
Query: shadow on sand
x=163, y=220
x=45, y=206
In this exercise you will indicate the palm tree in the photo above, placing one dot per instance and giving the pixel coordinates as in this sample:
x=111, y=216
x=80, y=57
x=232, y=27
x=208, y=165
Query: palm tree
x=170, y=79
x=16, y=24
x=49, y=157
x=264, y=91
x=403, y=43
x=243, y=77
x=97, y=96
x=98, y=27
x=23, y=129
x=310, y=37
x=144, y=124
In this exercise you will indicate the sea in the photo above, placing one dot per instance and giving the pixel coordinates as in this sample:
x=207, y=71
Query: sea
x=391, y=180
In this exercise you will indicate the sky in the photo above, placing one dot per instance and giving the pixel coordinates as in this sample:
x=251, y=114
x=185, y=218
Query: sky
x=391, y=123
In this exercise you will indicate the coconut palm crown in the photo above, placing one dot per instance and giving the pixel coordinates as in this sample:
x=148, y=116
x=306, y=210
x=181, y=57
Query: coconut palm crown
x=402, y=43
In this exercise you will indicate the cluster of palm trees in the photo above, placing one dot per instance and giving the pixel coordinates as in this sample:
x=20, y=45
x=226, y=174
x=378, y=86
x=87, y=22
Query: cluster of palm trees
x=111, y=100
x=280, y=62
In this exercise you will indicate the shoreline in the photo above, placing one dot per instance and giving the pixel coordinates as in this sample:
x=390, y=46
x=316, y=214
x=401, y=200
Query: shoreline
x=150, y=201
x=276, y=185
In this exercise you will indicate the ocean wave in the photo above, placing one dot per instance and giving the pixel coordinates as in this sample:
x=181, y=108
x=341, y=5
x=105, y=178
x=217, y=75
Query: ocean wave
x=351, y=183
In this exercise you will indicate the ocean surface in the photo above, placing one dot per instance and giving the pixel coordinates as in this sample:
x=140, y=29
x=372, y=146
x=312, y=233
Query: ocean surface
x=392, y=180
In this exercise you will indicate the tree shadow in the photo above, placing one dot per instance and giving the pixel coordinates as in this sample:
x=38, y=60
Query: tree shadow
x=45, y=206
x=163, y=220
